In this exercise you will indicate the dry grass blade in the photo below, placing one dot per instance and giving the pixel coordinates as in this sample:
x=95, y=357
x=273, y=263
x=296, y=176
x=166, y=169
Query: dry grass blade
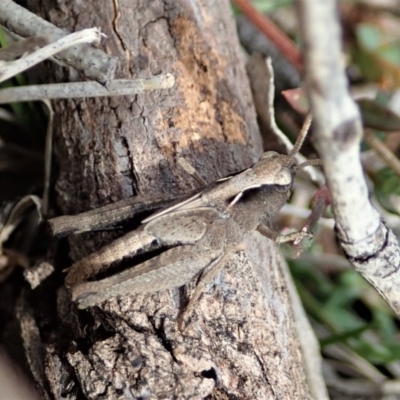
x=10, y=69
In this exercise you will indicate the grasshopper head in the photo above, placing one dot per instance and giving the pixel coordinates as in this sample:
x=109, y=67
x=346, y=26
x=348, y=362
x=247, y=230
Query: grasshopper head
x=279, y=169
x=275, y=169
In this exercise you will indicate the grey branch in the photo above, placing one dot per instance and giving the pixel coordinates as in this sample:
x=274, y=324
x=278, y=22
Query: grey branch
x=118, y=87
x=93, y=62
x=369, y=245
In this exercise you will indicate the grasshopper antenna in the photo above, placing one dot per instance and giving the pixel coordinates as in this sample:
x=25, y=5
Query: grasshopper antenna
x=315, y=161
x=302, y=135
x=299, y=142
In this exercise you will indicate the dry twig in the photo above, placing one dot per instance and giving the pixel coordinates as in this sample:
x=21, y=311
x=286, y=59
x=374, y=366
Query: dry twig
x=74, y=90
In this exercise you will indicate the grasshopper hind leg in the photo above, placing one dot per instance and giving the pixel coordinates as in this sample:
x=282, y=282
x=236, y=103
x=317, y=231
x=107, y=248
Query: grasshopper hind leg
x=170, y=270
x=214, y=269
x=129, y=245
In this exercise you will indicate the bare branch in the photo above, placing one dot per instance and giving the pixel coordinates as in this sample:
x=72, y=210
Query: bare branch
x=370, y=246
x=73, y=90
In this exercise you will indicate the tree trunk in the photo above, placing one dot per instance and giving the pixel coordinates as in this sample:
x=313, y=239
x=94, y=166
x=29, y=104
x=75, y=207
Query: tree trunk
x=241, y=341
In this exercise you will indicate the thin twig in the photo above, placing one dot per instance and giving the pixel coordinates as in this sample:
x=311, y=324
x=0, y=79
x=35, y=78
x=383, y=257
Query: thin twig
x=384, y=152
x=118, y=87
x=48, y=152
x=261, y=75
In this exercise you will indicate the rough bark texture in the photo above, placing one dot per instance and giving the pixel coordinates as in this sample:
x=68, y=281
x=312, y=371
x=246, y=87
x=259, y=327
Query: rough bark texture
x=241, y=341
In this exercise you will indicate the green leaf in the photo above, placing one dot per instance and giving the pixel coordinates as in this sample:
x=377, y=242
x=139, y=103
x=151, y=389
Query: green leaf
x=386, y=181
x=344, y=336
x=377, y=54
x=377, y=116
x=385, y=323
x=378, y=353
x=368, y=36
x=387, y=189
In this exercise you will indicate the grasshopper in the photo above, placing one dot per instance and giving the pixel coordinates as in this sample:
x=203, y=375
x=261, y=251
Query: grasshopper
x=199, y=232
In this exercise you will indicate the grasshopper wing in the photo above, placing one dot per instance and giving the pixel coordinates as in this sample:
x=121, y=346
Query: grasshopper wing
x=173, y=229
x=182, y=227
x=171, y=269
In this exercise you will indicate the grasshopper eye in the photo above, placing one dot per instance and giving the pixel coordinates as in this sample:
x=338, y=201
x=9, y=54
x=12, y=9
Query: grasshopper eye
x=282, y=188
x=283, y=178
x=270, y=155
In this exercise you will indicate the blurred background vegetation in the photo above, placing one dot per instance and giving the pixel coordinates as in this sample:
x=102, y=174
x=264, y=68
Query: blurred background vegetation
x=358, y=333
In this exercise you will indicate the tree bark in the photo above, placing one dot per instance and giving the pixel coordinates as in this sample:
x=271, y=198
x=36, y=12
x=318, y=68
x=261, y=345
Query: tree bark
x=241, y=340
